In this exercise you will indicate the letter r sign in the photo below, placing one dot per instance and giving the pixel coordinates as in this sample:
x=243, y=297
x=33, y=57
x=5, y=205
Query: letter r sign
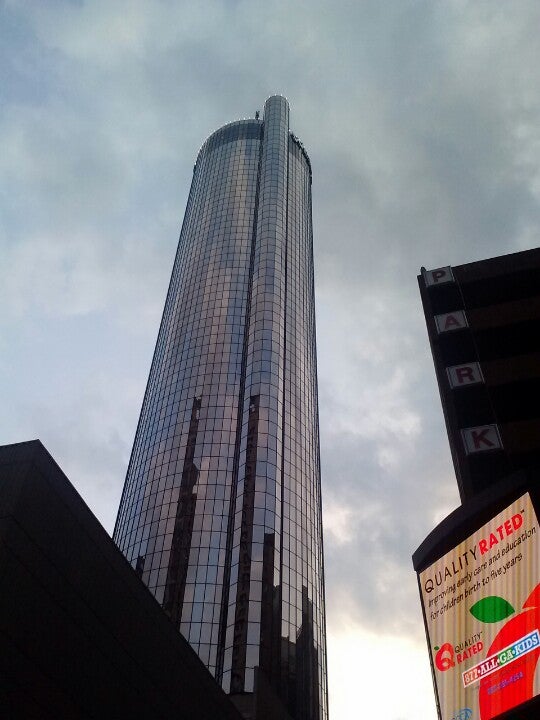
x=463, y=375
x=439, y=276
x=481, y=438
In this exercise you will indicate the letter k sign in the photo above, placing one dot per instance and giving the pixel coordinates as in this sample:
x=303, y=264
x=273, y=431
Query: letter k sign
x=481, y=438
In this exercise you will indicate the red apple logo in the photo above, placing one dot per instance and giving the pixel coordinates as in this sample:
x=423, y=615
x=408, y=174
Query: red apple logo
x=512, y=683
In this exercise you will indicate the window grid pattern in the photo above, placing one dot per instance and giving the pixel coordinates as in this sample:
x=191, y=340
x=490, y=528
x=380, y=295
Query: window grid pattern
x=198, y=358
x=221, y=509
x=303, y=629
x=258, y=499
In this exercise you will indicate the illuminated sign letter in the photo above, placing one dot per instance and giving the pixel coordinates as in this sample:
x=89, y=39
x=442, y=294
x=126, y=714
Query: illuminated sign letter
x=451, y=321
x=463, y=375
x=440, y=276
x=481, y=438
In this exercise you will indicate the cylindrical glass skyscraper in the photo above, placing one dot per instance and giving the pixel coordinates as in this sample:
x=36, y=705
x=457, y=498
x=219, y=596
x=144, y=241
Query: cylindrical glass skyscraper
x=221, y=509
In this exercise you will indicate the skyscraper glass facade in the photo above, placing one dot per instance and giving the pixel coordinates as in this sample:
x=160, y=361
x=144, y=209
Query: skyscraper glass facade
x=221, y=509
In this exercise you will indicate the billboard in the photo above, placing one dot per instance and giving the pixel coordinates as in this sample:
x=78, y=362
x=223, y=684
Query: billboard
x=482, y=608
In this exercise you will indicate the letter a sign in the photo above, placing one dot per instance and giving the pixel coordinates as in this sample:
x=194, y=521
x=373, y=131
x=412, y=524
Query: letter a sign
x=451, y=321
x=481, y=438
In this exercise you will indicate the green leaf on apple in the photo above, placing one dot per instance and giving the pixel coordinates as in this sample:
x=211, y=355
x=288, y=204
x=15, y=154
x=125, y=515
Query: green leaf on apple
x=491, y=609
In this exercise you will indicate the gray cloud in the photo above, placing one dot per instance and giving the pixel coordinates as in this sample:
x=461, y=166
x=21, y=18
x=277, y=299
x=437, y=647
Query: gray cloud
x=421, y=119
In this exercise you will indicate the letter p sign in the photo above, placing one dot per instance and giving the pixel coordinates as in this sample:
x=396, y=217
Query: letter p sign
x=440, y=276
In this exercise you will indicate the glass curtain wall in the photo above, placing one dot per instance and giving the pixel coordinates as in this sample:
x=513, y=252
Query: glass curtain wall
x=221, y=509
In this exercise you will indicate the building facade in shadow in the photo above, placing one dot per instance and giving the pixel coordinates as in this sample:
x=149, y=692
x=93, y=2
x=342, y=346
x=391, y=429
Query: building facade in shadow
x=479, y=569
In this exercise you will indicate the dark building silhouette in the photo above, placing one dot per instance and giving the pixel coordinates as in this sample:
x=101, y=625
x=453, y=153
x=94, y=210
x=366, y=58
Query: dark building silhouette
x=483, y=321
x=221, y=510
x=80, y=636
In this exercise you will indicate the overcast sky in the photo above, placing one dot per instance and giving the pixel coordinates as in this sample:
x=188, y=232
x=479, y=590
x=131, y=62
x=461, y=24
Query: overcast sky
x=422, y=122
